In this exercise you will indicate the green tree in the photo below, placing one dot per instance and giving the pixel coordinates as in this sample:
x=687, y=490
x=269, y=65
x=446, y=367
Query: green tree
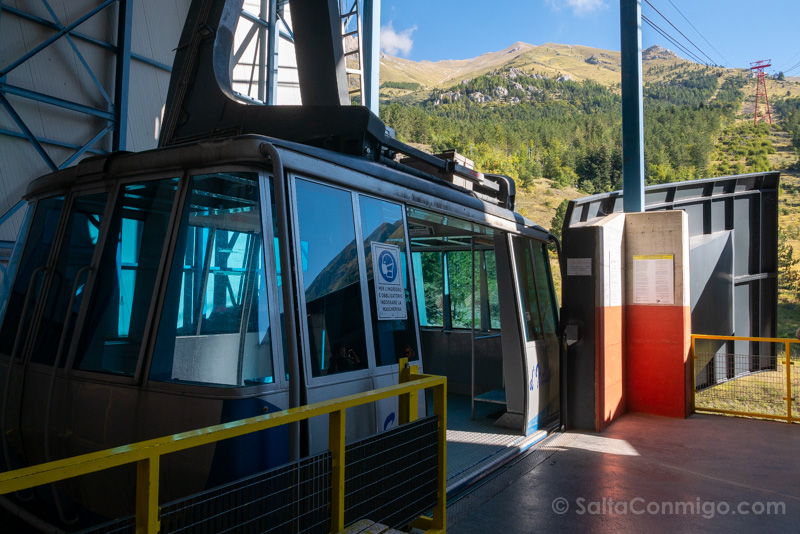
x=557, y=222
x=788, y=277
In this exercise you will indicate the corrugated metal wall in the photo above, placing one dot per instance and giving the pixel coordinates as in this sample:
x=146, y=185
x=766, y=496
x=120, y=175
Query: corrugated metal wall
x=157, y=26
x=58, y=71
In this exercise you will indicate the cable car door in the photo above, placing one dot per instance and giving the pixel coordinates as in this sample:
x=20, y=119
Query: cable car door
x=532, y=373
x=331, y=288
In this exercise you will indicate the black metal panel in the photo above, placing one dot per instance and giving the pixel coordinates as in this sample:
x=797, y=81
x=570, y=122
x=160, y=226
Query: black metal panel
x=201, y=102
x=319, y=50
x=718, y=221
x=391, y=478
x=744, y=204
x=295, y=497
x=578, y=309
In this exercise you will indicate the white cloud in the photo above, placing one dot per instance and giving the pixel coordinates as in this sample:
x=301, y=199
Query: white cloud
x=396, y=43
x=578, y=7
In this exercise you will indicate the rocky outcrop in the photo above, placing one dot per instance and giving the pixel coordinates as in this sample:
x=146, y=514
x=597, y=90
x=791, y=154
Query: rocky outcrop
x=657, y=52
x=479, y=97
x=447, y=97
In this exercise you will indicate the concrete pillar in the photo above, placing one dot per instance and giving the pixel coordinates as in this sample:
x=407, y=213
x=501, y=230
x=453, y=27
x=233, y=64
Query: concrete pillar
x=633, y=353
x=658, y=313
x=594, y=300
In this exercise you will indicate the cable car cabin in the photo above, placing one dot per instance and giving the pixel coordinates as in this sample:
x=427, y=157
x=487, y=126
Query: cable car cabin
x=147, y=295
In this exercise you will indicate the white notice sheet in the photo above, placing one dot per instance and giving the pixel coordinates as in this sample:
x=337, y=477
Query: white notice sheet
x=653, y=279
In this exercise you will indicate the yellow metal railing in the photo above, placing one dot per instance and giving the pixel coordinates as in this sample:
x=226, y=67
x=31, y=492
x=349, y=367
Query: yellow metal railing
x=758, y=392
x=147, y=454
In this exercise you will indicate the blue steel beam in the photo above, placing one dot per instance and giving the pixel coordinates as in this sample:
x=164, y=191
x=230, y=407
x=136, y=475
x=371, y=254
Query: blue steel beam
x=7, y=215
x=53, y=142
x=55, y=37
x=287, y=35
x=54, y=101
x=78, y=54
x=272, y=54
x=632, y=107
x=78, y=153
x=28, y=134
x=263, y=60
x=372, y=54
x=248, y=38
x=121, y=85
x=83, y=37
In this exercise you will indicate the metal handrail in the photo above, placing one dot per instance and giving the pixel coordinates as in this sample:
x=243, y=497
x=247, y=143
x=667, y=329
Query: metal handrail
x=788, y=362
x=147, y=454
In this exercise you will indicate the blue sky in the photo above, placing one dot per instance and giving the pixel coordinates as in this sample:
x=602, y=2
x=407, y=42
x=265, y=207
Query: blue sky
x=732, y=32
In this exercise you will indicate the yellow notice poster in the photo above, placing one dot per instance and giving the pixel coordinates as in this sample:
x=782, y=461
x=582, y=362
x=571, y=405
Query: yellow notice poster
x=653, y=279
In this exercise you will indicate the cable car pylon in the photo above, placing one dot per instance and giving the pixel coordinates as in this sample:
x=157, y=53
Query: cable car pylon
x=761, y=87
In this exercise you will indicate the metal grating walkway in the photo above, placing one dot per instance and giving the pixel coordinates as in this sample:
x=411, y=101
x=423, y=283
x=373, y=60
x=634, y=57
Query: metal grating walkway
x=476, y=447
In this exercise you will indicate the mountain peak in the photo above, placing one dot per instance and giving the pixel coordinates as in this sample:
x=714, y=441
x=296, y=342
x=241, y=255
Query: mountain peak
x=519, y=46
x=658, y=52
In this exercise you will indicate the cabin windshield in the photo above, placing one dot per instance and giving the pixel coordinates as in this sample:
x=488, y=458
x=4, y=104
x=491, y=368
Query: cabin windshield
x=215, y=326
x=122, y=292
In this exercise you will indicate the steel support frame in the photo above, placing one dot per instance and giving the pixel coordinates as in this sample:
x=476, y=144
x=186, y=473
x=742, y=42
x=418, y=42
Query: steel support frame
x=116, y=115
x=372, y=54
x=632, y=106
x=264, y=23
x=82, y=37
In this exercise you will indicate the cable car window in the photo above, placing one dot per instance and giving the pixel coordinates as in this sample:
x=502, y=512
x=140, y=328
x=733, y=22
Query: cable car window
x=490, y=268
x=547, y=305
x=331, y=279
x=215, y=326
x=31, y=271
x=443, y=271
x=527, y=280
x=382, y=222
x=123, y=288
x=428, y=273
x=67, y=281
x=459, y=282
x=14, y=259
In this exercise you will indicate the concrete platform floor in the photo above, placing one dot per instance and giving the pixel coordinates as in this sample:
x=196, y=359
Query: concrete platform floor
x=646, y=473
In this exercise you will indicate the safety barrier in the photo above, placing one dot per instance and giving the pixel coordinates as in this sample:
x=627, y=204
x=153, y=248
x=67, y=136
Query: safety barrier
x=746, y=376
x=147, y=454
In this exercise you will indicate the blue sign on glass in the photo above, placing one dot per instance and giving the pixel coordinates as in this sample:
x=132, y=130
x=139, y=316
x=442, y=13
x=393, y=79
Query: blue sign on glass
x=390, y=300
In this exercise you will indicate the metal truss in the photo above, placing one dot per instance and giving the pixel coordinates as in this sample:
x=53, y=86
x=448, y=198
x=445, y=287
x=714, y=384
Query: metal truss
x=262, y=83
x=116, y=105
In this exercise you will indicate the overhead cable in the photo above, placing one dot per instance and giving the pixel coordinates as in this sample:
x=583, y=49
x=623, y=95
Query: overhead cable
x=790, y=69
x=679, y=31
x=700, y=34
x=673, y=41
x=793, y=66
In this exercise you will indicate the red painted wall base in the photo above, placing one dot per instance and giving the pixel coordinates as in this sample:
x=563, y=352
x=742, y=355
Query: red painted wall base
x=658, y=367
x=610, y=399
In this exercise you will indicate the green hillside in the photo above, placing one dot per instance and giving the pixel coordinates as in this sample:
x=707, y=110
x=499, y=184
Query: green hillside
x=549, y=117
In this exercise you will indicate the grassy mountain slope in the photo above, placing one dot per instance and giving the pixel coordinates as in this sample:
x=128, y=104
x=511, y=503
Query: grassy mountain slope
x=549, y=116
x=552, y=60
